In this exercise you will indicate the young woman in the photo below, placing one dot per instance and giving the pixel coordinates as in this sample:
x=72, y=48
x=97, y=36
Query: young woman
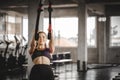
x=40, y=55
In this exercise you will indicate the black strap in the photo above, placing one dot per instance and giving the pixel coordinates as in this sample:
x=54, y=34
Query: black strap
x=39, y=10
x=50, y=22
x=38, y=17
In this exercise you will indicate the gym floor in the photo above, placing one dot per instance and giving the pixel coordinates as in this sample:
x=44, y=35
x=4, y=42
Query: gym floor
x=69, y=72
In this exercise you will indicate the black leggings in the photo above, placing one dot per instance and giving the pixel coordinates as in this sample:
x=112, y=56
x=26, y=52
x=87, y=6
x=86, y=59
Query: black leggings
x=41, y=72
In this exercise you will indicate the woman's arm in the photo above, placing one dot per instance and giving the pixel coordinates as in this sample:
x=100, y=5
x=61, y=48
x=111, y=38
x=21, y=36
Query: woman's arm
x=51, y=43
x=32, y=45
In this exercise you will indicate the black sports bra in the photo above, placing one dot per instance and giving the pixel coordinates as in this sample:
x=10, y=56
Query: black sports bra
x=37, y=53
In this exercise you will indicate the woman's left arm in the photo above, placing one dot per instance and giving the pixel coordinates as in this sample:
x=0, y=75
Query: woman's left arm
x=51, y=43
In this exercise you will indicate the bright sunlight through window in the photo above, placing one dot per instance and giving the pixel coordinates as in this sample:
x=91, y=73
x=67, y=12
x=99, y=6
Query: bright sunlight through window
x=65, y=31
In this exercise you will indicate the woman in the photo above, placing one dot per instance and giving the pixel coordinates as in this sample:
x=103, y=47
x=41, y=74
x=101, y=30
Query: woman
x=41, y=58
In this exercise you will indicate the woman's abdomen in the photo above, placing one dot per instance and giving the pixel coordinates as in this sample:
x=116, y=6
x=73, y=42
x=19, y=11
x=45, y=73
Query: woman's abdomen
x=41, y=60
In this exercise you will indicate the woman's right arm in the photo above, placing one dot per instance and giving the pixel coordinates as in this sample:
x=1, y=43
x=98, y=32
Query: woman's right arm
x=32, y=45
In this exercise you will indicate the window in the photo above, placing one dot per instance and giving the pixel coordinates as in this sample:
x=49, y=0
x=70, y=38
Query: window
x=115, y=31
x=25, y=31
x=65, y=31
x=13, y=26
x=2, y=26
x=91, y=31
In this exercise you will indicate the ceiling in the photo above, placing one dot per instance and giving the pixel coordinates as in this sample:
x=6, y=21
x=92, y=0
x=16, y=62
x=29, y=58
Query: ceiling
x=22, y=5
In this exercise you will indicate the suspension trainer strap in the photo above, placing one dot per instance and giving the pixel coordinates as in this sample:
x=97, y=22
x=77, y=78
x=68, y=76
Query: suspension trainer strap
x=39, y=10
x=50, y=23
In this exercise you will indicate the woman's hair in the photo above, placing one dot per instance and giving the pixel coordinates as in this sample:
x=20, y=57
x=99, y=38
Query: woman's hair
x=42, y=32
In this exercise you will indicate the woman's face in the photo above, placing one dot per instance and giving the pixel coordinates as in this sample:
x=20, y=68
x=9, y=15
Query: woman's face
x=42, y=38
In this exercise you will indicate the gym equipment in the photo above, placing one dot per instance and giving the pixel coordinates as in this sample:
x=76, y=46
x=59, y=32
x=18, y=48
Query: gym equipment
x=39, y=10
x=7, y=45
x=17, y=45
x=38, y=17
x=50, y=22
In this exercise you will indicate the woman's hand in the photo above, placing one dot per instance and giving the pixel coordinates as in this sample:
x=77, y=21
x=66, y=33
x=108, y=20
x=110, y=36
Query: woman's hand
x=51, y=43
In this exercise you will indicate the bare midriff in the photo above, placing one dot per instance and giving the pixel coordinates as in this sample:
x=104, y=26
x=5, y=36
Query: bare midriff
x=41, y=60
